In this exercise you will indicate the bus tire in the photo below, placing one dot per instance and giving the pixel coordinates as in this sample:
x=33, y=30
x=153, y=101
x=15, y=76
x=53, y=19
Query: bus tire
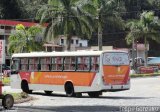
x=94, y=94
x=7, y=101
x=25, y=87
x=48, y=92
x=69, y=89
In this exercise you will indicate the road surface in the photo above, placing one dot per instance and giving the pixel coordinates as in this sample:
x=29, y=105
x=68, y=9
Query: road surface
x=143, y=92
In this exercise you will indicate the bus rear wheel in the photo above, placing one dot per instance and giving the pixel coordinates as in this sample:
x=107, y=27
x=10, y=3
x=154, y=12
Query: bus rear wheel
x=48, y=92
x=69, y=90
x=94, y=94
x=25, y=87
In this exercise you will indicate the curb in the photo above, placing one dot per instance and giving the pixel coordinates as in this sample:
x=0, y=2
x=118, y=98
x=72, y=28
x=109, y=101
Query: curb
x=144, y=75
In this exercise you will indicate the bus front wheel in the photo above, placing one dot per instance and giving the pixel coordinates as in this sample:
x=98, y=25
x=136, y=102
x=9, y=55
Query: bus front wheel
x=94, y=94
x=69, y=89
x=25, y=87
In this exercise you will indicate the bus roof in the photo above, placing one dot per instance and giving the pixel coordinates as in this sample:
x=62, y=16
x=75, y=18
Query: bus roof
x=65, y=53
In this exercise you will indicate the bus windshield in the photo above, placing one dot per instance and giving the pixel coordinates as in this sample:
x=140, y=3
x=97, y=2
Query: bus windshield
x=115, y=58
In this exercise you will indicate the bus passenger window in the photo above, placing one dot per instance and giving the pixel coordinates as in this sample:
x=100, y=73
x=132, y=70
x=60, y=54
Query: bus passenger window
x=59, y=63
x=24, y=67
x=69, y=63
x=45, y=63
x=33, y=64
x=95, y=63
x=15, y=65
x=24, y=64
x=59, y=67
x=53, y=63
x=83, y=63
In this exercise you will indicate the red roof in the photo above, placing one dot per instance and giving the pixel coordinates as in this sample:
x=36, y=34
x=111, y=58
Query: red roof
x=14, y=23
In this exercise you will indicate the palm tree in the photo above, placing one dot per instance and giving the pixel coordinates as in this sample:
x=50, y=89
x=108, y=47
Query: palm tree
x=25, y=40
x=66, y=17
x=107, y=14
x=147, y=27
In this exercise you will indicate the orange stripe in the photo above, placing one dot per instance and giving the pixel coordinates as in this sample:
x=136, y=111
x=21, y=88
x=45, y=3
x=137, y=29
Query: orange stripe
x=60, y=78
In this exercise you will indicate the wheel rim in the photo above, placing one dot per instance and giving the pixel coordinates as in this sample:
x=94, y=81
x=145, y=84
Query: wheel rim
x=9, y=102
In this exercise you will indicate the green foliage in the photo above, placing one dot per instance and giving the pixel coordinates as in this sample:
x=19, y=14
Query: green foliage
x=30, y=7
x=107, y=12
x=17, y=96
x=147, y=27
x=145, y=75
x=6, y=80
x=66, y=17
x=7, y=7
x=25, y=40
x=24, y=95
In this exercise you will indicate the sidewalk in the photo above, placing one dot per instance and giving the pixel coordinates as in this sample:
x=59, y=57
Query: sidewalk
x=8, y=89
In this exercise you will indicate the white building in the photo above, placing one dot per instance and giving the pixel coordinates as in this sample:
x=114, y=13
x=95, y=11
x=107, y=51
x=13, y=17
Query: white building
x=61, y=41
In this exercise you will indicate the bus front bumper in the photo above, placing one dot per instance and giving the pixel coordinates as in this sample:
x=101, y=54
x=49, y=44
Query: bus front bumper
x=113, y=88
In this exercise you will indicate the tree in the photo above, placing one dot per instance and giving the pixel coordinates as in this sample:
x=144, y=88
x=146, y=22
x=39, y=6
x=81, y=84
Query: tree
x=25, y=40
x=66, y=17
x=107, y=14
x=30, y=7
x=147, y=27
x=7, y=7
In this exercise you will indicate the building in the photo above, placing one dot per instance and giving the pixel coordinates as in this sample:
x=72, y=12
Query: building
x=58, y=44
x=6, y=28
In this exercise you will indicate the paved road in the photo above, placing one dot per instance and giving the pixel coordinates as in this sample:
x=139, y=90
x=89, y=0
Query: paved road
x=143, y=92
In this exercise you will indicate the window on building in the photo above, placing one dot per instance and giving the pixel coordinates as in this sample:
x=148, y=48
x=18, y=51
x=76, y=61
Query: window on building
x=80, y=44
x=49, y=49
x=1, y=37
x=62, y=41
x=33, y=64
x=45, y=63
x=72, y=41
x=77, y=42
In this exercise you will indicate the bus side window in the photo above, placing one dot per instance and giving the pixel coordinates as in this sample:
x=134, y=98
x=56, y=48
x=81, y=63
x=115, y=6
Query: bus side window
x=86, y=63
x=33, y=64
x=53, y=63
x=15, y=65
x=59, y=63
x=73, y=63
x=83, y=63
x=79, y=63
x=95, y=63
x=45, y=63
x=69, y=63
x=24, y=64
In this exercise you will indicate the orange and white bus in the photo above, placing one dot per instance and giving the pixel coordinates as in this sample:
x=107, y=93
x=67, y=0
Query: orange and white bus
x=77, y=72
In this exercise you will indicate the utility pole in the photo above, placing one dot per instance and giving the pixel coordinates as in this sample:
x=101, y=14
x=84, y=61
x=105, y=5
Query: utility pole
x=99, y=39
x=99, y=31
x=133, y=57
